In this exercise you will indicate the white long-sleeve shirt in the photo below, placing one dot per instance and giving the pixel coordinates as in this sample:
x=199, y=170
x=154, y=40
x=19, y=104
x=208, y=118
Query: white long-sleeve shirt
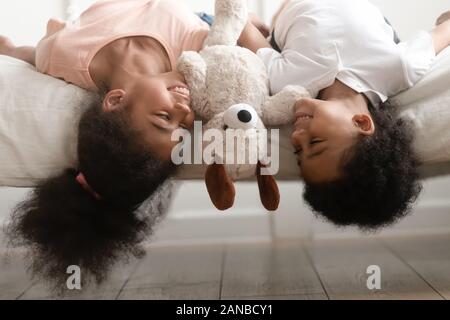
x=348, y=40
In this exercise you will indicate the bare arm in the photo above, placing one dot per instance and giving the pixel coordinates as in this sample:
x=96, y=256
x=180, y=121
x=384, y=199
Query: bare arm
x=443, y=17
x=27, y=54
x=259, y=24
x=441, y=35
x=252, y=39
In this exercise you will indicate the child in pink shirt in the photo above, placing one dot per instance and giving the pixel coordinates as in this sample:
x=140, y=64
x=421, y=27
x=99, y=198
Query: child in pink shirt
x=125, y=50
x=67, y=50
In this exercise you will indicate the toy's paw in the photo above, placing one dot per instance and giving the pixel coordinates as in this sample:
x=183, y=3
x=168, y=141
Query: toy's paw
x=279, y=109
x=191, y=62
x=296, y=92
x=193, y=68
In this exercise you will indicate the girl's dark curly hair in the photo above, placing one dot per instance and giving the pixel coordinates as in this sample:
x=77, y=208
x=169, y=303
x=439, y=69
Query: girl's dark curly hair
x=380, y=177
x=62, y=224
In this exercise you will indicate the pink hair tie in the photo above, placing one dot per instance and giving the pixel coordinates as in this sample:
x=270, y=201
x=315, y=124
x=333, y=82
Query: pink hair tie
x=81, y=179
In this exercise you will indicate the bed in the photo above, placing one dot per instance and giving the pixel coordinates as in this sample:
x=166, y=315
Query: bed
x=39, y=116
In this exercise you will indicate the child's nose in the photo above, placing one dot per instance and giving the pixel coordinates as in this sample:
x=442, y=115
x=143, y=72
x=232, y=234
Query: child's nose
x=306, y=102
x=183, y=108
x=184, y=114
x=299, y=137
x=305, y=106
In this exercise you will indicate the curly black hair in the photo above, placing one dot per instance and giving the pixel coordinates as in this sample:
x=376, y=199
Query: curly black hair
x=380, y=177
x=62, y=224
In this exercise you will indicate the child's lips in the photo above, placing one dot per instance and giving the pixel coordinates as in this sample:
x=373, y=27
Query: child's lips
x=303, y=120
x=302, y=114
x=182, y=91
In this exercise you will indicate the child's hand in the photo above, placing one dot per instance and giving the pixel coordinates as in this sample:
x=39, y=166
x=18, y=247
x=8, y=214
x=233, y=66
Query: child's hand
x=5, y=45
x=252, y=39
x=443, y=17
x=441, y=33
x=259, y=24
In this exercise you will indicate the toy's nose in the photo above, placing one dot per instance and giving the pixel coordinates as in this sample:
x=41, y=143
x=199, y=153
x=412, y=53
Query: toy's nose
x=241, y=116
x=244, y=116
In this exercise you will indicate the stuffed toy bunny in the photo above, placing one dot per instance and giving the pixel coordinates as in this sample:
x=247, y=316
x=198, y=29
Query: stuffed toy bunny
x=230, y=89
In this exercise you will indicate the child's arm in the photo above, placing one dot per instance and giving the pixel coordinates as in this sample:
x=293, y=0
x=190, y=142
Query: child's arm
x=252, y=39
x=259, y=24
x=441, y=35
x=443, y=17
x=282, y=68
x=26, y=54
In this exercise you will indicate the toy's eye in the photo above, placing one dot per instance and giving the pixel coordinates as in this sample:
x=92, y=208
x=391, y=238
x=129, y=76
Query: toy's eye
x=244, y=116
x=241, y=116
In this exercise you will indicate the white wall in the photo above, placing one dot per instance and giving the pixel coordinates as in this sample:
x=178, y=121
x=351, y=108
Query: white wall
x=409, y=16
x=25, y=21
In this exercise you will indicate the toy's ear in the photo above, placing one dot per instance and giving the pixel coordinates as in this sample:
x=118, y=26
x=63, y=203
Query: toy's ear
x=230, y=19
x=220, y=186
x=268, y=190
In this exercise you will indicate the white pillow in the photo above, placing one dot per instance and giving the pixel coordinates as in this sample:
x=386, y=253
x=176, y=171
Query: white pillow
x=427, y=105
x=38, y=121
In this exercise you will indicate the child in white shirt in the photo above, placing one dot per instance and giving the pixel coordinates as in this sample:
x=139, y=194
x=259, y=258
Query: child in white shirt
x=355, y=155
x=348, y=40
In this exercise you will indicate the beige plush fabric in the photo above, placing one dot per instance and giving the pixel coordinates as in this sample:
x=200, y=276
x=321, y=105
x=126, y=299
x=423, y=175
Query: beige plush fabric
x=224, y=79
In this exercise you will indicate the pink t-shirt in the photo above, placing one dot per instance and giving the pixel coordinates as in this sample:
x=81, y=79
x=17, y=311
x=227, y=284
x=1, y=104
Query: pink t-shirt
x=68, y=49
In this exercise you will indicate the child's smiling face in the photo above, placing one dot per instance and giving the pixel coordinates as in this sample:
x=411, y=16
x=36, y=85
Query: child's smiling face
x=158, y=106
x=324, y=131
x=161, y=105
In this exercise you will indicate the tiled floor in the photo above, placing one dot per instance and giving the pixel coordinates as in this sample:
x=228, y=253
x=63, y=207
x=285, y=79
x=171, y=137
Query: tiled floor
x=411, y=268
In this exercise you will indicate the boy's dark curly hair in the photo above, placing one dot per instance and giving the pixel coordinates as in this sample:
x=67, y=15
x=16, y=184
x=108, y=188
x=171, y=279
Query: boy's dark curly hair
x=380, y=177
x=63, y=225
